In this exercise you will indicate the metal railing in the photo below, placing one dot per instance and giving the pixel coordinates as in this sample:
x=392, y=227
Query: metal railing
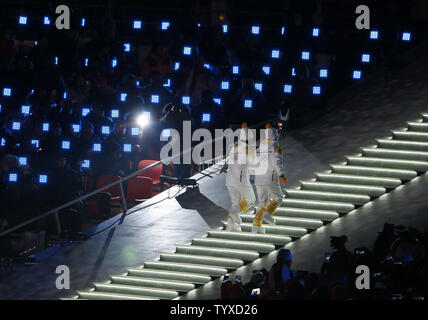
x=55, y=211
x=90, y=194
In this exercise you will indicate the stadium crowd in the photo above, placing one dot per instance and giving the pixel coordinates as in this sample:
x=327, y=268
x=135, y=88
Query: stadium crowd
x=70, y=100
x=397, y=264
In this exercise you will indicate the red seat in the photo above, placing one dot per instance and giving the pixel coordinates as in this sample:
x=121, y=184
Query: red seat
x=114, y=190
x=153, y=173
x=139, y=189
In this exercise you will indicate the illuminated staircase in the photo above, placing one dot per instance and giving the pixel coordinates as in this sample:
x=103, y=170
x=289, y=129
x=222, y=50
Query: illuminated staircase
x=363, y=178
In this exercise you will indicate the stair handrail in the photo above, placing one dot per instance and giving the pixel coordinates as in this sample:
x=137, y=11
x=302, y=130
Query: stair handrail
x=123, y=197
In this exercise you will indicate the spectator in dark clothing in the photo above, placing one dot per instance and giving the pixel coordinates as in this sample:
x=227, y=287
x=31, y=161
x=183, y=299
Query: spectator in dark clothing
x=65, y=185
x=281, y=271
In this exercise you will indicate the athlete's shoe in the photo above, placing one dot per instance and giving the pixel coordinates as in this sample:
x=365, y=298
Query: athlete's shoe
x=230, y=224
x=267, y=217
x=255, y=229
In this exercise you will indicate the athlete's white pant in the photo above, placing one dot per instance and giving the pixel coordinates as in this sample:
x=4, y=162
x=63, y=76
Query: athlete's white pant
x=242, y=199
x=269, y=199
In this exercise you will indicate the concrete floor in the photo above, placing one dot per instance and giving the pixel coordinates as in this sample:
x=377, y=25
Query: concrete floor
x=370, y=111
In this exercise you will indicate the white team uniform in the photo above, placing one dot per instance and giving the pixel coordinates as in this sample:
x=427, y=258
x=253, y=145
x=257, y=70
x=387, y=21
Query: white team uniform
x=238, y=183
x=268, y=186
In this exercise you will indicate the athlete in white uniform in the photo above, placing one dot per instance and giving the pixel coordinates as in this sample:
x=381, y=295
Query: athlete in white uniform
x=238, y=180
x=268, y=179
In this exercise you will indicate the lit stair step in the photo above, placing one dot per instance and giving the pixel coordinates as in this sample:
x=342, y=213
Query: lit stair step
x=375, y=172
x=395, y=154
x=418, y=126
x=323, y=215
x=135, y=290
x=234, y=244
x=98, y=295
x=410, y=135
x=186, y=267
x=286, y=221
x=318, y=204
x=169, y=275
x=245, y=255
x=345, y=188
x=180, y=286
x=276, y=229
x=249, y=236
x=229, y=263
x=420, y=166
x=359, y=180
x=357, y=199
x=402, y=144
x=425, y=117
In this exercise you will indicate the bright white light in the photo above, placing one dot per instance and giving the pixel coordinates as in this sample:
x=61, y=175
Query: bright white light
x=356, y=74
x=225, y=85
x=82, y=22
x=105, y=130
x=176, y=65
x=127, y=147
x=23, y=161
x=406, y=36
x=135, y=131
x=288, y=88
x=115, y=113
x=293, y=72
x=25, y=110
x=275, y=53
x=305, y=55
x=315, y=32
x=123, y=96
x=86, y=164
x=225, y=28
x=137, y=24
x=64, y=95
x=235, y=69
x=85, y=111
x=258, y=86
x=166, y=133
x=187, y=50
x=365, y=57
x=76, y=128
x=266, y=69
x=46, y=21
x=282, y=30
x=154, y=98
x=185, y=100
x=168, y=83
x=248, y=103
x=217, y=100
x=97, y=147
x=164, y=25
x=126, y=47
x=114, y=63
x=56, y=60
x=2, y=142
x=323, y=73
x=143, y=119
x=43, y=178
x=206, y=117
x=374, y=34
x=255, y=29
x=65, y=145
x=45, y=127
x=22, y=20
x=35, y=143
x=316, y=90
x=16, y=125
x=13, y=177
x=7, y=92
x=86, y=62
